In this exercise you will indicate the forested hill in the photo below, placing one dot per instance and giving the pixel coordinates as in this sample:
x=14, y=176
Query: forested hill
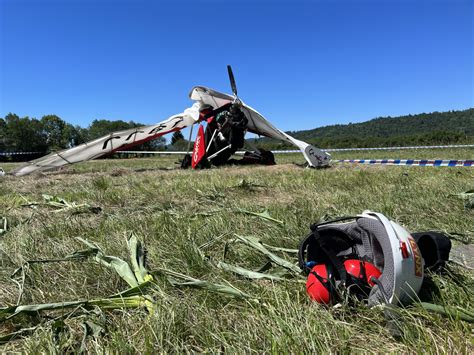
x=426, y=128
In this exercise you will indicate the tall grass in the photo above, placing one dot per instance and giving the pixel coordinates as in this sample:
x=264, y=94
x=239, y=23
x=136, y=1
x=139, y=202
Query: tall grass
x=188, y=222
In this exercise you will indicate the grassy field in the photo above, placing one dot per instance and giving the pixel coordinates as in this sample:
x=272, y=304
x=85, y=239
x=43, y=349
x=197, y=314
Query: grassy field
x=188, y=222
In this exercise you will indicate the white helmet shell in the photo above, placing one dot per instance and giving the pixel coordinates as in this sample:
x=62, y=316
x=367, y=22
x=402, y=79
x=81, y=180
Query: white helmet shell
x=402, y=271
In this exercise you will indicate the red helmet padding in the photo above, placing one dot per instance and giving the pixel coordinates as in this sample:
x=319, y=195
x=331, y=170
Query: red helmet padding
x=318, y=285
x=353, y=267
x=318, y=291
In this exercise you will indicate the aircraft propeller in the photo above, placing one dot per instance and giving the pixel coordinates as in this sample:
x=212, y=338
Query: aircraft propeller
x=232, y=80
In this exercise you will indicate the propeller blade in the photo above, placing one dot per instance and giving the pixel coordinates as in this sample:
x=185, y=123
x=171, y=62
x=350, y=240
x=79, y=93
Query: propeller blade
x=232, y=80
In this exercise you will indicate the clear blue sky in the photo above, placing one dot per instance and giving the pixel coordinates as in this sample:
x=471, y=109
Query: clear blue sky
x=302, y=64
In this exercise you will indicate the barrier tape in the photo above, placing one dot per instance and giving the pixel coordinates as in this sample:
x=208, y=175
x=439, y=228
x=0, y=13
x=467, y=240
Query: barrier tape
x=379, y=148
x=290, y=151
x=409, y=162
x=6, y=154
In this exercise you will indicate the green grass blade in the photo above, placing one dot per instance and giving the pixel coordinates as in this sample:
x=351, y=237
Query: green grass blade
x=179, y=280
x=3, y=228
x=448, y=311
x=264, y=215
x=255, y=243
x=137, y=290
x=10, y=312
x=120, y=266
x=279, y=249
x=16, y=335
x=247, y=273
x=137, y=259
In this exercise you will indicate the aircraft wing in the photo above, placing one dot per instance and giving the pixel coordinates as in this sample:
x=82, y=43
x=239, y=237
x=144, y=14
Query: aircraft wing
x=259, y=125
x=111, y=143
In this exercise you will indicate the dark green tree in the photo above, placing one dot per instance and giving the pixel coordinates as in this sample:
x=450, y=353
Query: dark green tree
x=100, y=128
x=155, y=144
x=24, y=134
x=177, y=136
x=74, y=135
x=54, y=130
x=3, y=134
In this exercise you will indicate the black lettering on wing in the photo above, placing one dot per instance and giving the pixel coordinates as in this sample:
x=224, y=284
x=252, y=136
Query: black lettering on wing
x=180, y=120
x=157, y=129
x=133, y=133
x=107, y=141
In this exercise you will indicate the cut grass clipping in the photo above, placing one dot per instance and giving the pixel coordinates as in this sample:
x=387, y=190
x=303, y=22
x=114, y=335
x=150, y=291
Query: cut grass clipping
x=61, y=205
x=143, y=287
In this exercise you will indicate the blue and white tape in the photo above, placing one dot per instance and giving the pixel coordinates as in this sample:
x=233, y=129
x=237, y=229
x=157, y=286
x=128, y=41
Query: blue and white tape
x=410, y=162
x=6, y=154
x=379, y=148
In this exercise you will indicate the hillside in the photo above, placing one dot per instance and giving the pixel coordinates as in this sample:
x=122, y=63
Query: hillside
x=426, y=128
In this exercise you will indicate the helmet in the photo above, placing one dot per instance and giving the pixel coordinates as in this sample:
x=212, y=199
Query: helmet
x=321, y=284
x=377, y=242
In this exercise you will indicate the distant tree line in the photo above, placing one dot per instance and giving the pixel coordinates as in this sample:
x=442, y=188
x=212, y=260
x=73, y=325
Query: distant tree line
x=436, y=128
x=51, y=133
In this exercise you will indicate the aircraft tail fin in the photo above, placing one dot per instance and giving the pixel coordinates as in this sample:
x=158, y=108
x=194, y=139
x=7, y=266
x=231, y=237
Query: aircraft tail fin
x=315, y=157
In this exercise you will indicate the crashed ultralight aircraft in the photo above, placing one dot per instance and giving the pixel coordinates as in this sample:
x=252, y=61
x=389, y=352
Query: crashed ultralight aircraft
x=227, y=117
